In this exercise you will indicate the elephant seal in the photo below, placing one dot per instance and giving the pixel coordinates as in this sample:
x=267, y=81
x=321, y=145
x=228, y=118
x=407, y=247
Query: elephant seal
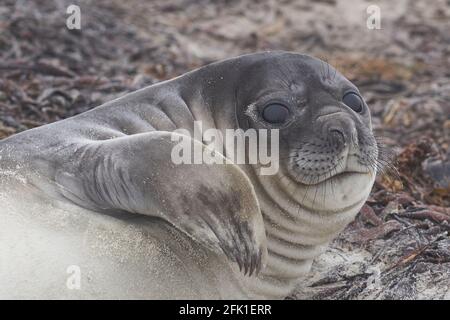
x=93, y=206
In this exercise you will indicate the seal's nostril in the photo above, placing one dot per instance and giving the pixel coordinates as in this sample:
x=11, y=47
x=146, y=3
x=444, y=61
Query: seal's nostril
x=337, y=136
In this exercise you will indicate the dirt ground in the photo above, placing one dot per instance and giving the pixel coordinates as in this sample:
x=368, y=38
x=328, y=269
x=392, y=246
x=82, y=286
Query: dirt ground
x=398, y=247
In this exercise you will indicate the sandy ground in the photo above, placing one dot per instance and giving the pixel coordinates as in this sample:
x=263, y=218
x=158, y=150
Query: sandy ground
x=398, y=248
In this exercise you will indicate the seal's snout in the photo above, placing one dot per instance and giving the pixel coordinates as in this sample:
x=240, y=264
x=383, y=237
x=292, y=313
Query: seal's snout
x=339, y=129
x=338, y=146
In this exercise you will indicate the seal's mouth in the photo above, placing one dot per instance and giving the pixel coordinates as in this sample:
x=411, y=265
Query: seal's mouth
x=341, y=176
x=347, y=168
x=348, y=175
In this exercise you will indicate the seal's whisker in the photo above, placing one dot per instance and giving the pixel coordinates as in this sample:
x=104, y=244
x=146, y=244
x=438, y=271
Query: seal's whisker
x=322, y=69
x=335, y=72
x=386, y=158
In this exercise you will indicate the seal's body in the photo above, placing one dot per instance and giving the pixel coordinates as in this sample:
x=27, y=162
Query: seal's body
x=97, y=195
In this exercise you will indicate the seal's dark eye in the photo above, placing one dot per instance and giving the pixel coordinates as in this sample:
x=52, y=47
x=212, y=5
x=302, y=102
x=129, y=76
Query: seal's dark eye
x=275, y=113
x=354, y=101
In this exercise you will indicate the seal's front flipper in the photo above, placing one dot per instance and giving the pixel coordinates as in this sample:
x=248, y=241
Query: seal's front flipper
x=215, y=204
